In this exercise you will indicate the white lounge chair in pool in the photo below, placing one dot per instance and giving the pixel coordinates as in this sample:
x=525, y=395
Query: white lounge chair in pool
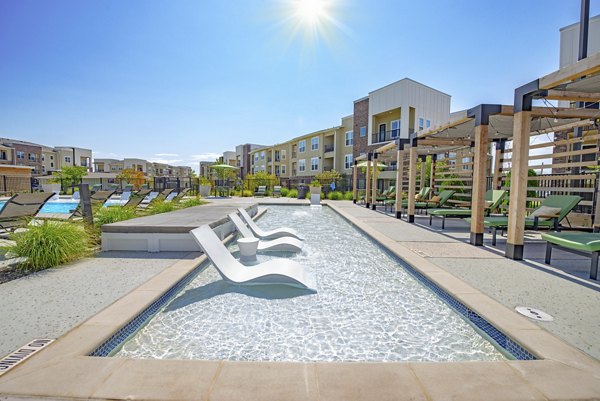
x=271, y=234
x=283, y=244
x=277, y=271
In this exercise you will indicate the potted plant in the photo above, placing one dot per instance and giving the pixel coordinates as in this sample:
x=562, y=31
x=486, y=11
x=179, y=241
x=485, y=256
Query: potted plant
x=204, y=187
x=315, y=187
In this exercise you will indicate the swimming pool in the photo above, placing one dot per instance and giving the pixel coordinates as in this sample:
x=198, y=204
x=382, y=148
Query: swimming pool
x=58, y=207
x=367, y=308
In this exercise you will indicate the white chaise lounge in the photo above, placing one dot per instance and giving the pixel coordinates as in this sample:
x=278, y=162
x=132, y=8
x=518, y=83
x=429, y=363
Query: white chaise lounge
x=277, y=271
x=270, y=234
x=283, y=244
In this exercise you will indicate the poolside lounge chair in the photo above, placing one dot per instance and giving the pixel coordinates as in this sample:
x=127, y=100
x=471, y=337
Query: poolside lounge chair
x=283, y=244
x=549, y=214
x=149, y=198
x=279, y=271
x=586, y=244
x=385, y=195
x=261, y=190
x=181, y=194
x=142, y=193
x=120, y=200
x=95, y=188
x=276, y=191
x=171, y=196
x=164, y=194
x=493, y=198
x=101, y=196
x=436, y=201
x=271, y=234
x=422, y=196
x=17, y=209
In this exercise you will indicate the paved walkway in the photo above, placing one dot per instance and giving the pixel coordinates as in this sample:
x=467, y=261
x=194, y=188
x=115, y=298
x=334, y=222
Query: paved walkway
x=563, y=290
x=49, y=303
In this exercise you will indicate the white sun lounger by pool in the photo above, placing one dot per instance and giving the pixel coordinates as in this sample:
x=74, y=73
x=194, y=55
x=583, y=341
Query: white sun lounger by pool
x=270, y=234
x=277, y=271
x=149, y=198
x=283, y=244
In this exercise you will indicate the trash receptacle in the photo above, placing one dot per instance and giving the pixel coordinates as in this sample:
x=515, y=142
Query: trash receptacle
x=302, y=191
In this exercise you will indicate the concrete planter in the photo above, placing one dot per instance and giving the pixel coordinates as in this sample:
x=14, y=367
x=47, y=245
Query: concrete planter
x=204, y=190
x=315, y=190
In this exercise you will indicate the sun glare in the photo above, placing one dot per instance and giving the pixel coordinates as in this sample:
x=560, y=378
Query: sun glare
x=311, y=11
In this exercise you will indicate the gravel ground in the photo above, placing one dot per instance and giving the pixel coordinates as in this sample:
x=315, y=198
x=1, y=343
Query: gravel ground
x=49, y=303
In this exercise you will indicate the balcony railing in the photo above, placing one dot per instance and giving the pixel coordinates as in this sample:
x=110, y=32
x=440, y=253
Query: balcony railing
x=329, y=148
x=294, y=155
x=385, y=136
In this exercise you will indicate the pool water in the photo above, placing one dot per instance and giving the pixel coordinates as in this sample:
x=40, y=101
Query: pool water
x=59, y=207
x=367, y=308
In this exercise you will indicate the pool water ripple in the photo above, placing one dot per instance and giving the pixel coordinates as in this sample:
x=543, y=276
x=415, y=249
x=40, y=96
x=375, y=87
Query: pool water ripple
x=367, y=308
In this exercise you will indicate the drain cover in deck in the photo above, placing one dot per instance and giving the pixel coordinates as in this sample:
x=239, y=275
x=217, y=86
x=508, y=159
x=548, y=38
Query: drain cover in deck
x=534, y=314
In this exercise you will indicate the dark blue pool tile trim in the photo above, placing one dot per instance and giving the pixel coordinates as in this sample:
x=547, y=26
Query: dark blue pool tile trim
x=108, y=346
x=506, y=343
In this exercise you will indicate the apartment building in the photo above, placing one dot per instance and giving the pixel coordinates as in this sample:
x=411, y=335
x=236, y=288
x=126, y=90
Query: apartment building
x=569, y=55
x=205, y=169
x=242, y=156
x=150, y=169
x=301, y=158
x=42, y=159
x=395, y=112
x=229, y=157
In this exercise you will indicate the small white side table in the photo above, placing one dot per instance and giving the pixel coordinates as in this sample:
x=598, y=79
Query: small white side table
x=248, y=247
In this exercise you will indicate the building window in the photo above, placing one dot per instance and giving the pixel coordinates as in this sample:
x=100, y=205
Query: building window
x=314, y=163
x=314, y=143
x=262, y=155
x=349, y=138
x=67, y=159
x=20, y=154
x=283, y=169
x=301, y=165
x=395, y=125
x=427, y=123
x=464, y=161
x=43, y=158
x=421, y=124
x=51, y=157
x=302, y=146
x=3, y=155
x=32, y=157
x=283, y=154
x=52, y=164
x=348, y=161
x=256, y=157
x=362, y=131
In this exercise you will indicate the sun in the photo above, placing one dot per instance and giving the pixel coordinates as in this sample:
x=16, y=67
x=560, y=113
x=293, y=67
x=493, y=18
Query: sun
x=311, y=11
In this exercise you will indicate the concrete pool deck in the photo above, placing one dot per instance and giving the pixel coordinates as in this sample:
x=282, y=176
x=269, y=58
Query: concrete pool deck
x=63, y=370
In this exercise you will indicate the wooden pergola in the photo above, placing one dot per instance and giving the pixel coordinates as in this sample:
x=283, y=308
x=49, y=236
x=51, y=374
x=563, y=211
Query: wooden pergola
x=470, y=137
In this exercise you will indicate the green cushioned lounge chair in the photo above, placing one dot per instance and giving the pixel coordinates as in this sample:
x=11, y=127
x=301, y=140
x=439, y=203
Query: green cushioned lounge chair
x=261, y=190
x=586, y=244
x=444, y=196
x=423, y=194
x=493, y=198
x=565, y=203
x=385, y=195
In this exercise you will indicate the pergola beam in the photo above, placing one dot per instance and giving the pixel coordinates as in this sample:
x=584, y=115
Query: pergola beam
x=582, y=68
x=432, y=141
x=565, y=127
x=573, y=96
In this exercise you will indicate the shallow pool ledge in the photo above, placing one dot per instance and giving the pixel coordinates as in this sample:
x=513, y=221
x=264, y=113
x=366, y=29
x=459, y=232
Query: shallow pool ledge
x=169, y=232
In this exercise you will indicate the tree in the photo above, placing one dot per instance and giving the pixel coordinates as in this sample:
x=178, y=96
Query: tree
x=224, y=173
x=133, y=177
x=261, y=178
x=69, y=176
x=327, y=177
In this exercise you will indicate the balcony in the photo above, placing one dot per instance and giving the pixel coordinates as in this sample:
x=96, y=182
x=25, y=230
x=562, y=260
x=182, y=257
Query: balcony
x=386, y=136
x=329, y=148
x=294, y=155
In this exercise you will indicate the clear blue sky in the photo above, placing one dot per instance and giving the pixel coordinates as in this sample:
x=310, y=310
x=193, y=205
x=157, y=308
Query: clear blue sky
x=183, y=80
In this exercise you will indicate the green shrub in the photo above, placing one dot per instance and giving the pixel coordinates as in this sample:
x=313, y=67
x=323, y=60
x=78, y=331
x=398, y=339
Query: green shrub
x=113, y=214
x=161, y=207
x=293, y=193
x=349, y=195
x=307, y=196
x=247, y=193
x=192, y=202
x=285, y=192
x=335, y=195
x=49, y=244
